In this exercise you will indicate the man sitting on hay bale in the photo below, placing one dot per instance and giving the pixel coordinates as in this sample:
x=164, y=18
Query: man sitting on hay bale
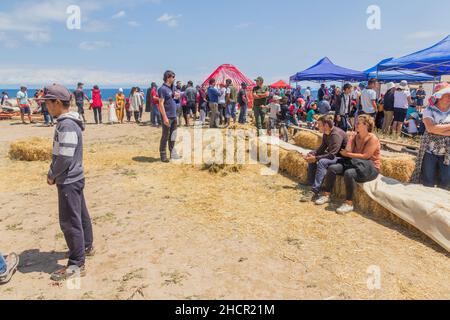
x=361, y=163
x=334, y=140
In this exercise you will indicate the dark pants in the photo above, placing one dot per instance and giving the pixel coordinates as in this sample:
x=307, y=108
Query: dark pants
x=351, y=177
x=317, y=172
x=98, y=115
x=243, y=114
x=137, y=115
x=75, y=221
x=260, y=116
x=128, y=112
x=434, y=172
x=168, y=137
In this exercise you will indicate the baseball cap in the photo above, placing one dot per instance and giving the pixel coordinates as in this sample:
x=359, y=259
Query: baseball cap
x=57, y=92
x=260, y=79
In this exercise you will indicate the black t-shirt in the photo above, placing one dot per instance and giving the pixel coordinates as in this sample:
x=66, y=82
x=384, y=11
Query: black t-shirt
x=389, y=100
x=240, y=97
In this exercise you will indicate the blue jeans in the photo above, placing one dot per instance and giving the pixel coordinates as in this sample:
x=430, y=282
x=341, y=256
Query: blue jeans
x=317, y=172
x=434, y=172
x=292, y=120
x=231, y=111
x=243, y=114
x=155, y=116
x=47, y=117
x=3, y=266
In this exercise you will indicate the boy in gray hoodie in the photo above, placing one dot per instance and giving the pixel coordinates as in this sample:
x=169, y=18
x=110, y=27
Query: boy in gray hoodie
x=66, y=172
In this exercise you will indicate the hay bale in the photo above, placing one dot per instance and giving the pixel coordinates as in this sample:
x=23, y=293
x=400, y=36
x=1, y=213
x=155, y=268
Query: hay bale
x=400, y=168
x=293, y=163
x=307, y=140
x=33, y=149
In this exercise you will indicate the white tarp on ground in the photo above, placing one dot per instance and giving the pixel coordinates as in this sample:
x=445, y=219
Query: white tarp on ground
x=427, y=209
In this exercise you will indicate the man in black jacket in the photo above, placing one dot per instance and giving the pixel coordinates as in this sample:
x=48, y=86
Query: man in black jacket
x=334, y=140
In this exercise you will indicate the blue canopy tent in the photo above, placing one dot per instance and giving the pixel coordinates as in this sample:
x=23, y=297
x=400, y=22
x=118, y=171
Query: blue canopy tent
x=434, y=61
x=396, y=76
x=325, y=70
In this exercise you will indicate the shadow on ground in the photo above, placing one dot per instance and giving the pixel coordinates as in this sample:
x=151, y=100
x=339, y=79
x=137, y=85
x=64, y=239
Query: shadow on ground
x=36, y=261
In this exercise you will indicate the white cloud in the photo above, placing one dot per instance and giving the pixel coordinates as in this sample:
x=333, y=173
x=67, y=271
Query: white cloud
x=34, y=76
x=170, y=20
x=94, y=45
x=33, y=20
x=134, y=24
x=39, y=37
x=243, y=25
x=119, y=15
x=423, y=35
x=95, y=26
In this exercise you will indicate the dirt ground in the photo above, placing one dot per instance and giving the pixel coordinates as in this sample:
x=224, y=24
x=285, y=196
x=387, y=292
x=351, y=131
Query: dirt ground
x=166, y=231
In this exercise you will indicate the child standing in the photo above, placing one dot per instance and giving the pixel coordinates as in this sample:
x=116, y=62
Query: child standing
x=112, y=116
x=274, y=111
x=66, y=172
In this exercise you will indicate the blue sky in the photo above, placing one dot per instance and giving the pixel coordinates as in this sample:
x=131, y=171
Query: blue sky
x=132, y=42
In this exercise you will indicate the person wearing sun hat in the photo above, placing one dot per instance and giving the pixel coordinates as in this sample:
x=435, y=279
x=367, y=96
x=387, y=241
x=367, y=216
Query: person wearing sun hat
x=402, y=100
x=433, y=162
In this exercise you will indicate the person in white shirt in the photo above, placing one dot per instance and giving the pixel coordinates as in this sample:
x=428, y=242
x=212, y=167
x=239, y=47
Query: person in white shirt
x=222, y=100
x=369, y=99
x=402, y=100
x=274, y=111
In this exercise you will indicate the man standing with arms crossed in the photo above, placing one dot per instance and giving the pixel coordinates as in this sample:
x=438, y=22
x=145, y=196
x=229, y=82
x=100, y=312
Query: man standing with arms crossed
x=168, y=110
x=260, y=95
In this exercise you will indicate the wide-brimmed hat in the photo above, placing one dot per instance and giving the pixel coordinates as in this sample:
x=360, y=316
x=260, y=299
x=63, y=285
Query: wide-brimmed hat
x=403, y=85
x=390, y=85
x=441, y=89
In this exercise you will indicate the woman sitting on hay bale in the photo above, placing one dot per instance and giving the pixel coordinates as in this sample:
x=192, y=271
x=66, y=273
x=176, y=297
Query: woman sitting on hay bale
x=433, y=162
x=361, y=164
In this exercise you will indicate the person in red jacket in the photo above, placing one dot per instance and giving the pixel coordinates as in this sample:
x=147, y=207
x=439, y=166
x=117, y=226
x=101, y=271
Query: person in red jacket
x=97, y=104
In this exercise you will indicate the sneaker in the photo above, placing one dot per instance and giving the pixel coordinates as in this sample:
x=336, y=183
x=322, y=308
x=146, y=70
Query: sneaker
x=67, y=273
x=165, y=160
x=12, y=261
x=90, y=252
x=323, y=200
x=174, y=156
x=345, y=208
x=309, y=196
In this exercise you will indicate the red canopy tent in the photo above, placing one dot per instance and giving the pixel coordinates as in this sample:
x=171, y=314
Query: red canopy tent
x=228, y=71
x=280, y=85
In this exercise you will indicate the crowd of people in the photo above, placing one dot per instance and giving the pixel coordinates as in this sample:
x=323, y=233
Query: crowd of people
x=348, y=118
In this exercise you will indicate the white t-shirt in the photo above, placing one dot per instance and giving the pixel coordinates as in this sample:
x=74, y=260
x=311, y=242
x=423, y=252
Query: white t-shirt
x=274, y=109
x=436, y=115
x=222, y=97
x=412, y=126
x=307, y=93
x=401, y=99
x=367, y=98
